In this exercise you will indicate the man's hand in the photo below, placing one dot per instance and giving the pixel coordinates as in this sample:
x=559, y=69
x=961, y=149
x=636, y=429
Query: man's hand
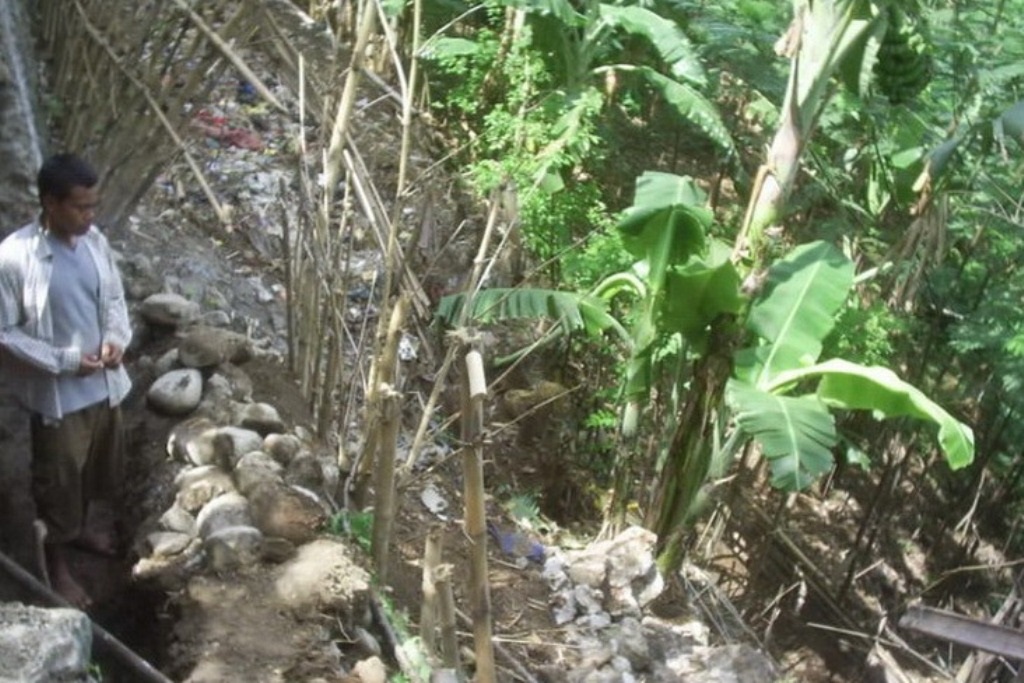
x=111, y=355
x=89, y=364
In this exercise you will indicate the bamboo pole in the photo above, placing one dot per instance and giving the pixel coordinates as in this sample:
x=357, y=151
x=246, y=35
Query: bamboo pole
x=431, y=606
x=474, y=390
x=446, y=604
x=339, y=130
x=158, y=112
x=385, y=504
x=230, y=53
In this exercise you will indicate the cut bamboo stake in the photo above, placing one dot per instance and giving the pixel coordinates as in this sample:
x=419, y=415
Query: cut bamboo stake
x=430, y=609
x=474, y=389
x=385, y=502
x=449, y=632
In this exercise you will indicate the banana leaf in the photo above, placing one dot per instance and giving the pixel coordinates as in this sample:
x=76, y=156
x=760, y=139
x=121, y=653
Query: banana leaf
x=796, y=434
x=667, y=221
x=572, y=310
x=851, y=386
x=698, y=292
x=668, y=39
x=691, y=106
x=795, y=311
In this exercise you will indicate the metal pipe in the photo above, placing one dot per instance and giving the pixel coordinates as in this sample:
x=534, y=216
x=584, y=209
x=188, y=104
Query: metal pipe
x=147, y=672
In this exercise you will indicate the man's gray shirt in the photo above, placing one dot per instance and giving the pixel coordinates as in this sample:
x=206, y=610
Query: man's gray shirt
x=34, y=359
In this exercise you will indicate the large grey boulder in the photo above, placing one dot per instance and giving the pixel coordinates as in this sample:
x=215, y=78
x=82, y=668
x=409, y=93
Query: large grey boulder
x=205, y=347
x=172, y=310
x=44, y=645
x=176, y=393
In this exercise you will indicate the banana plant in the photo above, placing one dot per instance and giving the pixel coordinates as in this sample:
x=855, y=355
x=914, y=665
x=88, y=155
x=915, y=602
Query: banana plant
x=782, y=396
x=776, y=390
x=681, y=281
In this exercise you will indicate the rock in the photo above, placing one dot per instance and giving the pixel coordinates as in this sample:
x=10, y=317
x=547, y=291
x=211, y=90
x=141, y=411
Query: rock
x=205, y=347
x=276, y=550
x=287, y=512
x=371, y=670
x=588, y=567
x=727, y=663
x=238, y=382
x=255, y=468
x=170, y=572
x=623, y=568
x=218, y=389
x=633, y=577
x=140, y=277
x=44, y=644
x=167, y=362
x=323, y=577
x=305, y=471
x=216, y=319
x=632, y=644
x=229, y=509
x=192, y=441
x=198, y=486
x=172, y=310
x=233, y=547
x=282, y=447
x=177, y=392
x=234, y=442
x=167, y=543
x=178, y=519
x=259, y=417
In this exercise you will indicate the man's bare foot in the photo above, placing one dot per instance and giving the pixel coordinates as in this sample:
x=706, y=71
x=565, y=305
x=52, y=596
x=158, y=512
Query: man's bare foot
x=97, y=542
x=63, y=582
x=69, y=589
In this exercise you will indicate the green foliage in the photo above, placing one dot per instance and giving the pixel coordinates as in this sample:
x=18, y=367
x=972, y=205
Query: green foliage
x=570, y=310
x=357, y=526
x=666, y=229
x=796, y=434
x=542, y=135
x=792, y=317
x=865, y=333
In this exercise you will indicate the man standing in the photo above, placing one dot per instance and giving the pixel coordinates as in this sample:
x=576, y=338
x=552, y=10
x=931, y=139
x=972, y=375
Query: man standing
x=64, y=327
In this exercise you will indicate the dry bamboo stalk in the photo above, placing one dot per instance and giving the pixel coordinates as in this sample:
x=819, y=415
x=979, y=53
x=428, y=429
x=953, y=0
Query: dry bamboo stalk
x=408, y=90
x=199, y=75
x=430, y=607
x=339, y=130
x=290, y=65
x=324, y=411
x=376, y=214
x=385, y=504
x=476, y=513
x=384, y=371
x=449, y=632
x=230, y=53
x=440, y=382
x=289, y=280
x=158, y=112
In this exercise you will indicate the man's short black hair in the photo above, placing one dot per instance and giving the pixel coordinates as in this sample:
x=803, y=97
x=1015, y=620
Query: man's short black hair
x=63, y=172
